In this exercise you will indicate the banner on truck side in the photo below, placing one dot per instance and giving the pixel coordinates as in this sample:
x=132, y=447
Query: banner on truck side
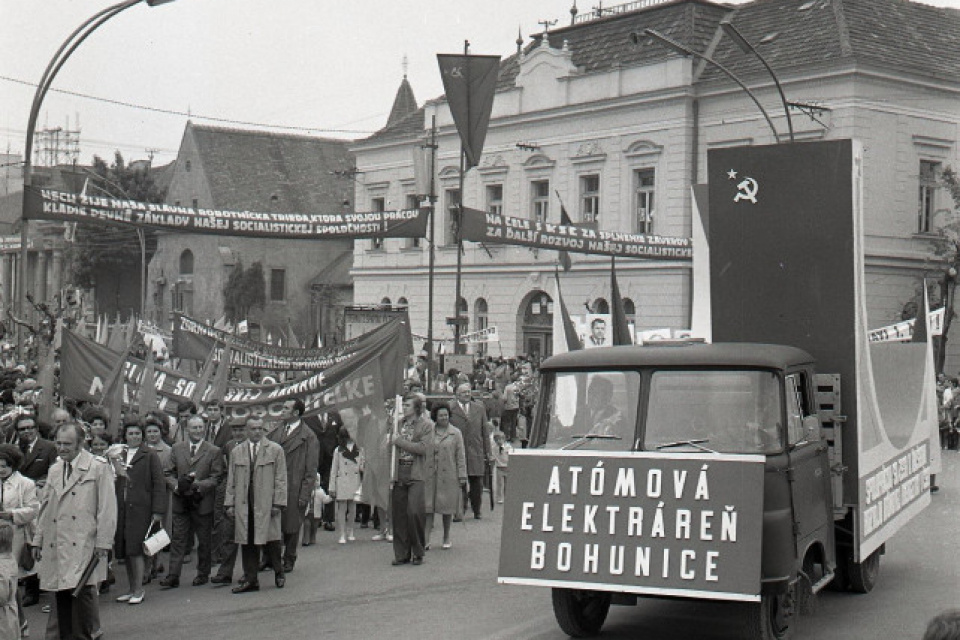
x=637, y=522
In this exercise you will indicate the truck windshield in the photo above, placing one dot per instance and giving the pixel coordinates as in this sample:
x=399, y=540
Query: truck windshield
x=724, y=411
x=589, y=410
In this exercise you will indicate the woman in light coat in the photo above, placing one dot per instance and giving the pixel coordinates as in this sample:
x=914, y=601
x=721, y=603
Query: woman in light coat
x=346, y=474
x=18, y=504
x=445, y=473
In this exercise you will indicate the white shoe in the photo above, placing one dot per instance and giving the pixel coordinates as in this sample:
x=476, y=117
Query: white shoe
x=378, y=537
x=389, y=537
x=137, y=599
x=352, y=538
x=125, y=597
x=342, y=541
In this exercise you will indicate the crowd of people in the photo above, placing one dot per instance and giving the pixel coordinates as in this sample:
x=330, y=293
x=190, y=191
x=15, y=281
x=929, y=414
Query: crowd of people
x=83, y=494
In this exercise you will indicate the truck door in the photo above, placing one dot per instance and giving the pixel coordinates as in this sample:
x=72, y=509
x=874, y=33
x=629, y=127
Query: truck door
x=808, y=466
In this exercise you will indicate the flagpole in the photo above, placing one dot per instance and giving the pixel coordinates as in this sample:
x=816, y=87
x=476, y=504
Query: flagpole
x=428, y=386
x=457, y=348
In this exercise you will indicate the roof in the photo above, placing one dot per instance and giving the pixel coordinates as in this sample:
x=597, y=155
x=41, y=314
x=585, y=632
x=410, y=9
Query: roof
x=404, y=104
x=336, y=272
x=895, y=34
x=259, y=171
x=691, y=354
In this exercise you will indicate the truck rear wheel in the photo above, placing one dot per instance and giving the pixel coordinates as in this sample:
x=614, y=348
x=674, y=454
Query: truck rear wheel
x=580, y=613
x=774, y=618
x=862, y=576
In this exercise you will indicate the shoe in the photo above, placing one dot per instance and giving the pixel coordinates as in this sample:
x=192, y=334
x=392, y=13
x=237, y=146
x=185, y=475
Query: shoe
x=379, y=537
x=199, y=581
x=264, y=565
x=147, y=579
x=306, y=543
x=170, y=582
x=342, y=541
x=221, y=580
x=288, y=567
x=279, y=580
x=389, y=537
x=397, y=563
x=417, y=561
x=245, y=587
x=25, y=629
x=125, y=597
x=30, y=599
x=328, y=526
x=352, y=538
x=104, y=587
x=137, y=599
x=457, y=519
x=446, y=545
x=499, y=501
x=426, y=548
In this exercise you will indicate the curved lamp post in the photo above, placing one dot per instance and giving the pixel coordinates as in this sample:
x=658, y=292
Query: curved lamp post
x=684, y=50
x=747, y=47
x=53, y=67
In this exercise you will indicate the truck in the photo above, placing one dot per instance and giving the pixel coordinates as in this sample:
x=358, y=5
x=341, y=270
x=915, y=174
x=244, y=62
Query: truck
x=767, y=460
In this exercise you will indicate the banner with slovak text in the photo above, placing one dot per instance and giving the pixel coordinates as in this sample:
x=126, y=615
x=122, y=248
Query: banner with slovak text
x=48, y=204
x=482, y=336
x=638, y=522
x=495, y=228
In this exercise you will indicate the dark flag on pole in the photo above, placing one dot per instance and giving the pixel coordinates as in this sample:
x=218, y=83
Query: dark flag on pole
x=621, y=330
x=470, y=82
x=920, y=324
x=571, y=339
x=563, y=256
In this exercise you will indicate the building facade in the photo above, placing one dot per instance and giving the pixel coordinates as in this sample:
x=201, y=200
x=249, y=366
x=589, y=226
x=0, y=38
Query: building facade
x=606, y=121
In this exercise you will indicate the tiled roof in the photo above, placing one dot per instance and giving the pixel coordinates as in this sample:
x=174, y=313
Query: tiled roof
x=257, y=171
x=896, y=34
x=403, y=105
x=409, y=127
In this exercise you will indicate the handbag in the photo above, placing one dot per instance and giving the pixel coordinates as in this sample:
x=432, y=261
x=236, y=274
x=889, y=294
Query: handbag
x=26, y=560
x=153, y=543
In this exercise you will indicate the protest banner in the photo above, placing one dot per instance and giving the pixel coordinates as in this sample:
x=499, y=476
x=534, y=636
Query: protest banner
x=635, y=522
x=495, y=228
x=48, y=204
x=490, y=334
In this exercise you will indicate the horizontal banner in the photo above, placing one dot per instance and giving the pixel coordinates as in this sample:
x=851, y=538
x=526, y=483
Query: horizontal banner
x=12, y=243
x=636, y=522
x=490, y=334
x=495, y=228
x=903, y=331
x=194, y=340
x=47, y=204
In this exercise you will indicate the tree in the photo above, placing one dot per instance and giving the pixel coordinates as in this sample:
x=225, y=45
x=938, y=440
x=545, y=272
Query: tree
x=245, y=290
x=947, y=249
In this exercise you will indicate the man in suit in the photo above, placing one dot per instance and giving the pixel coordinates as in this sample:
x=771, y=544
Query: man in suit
x=229, y=549
x=470, y=417
x=256, y=496
x=598, y=333
x=217, y=430
x=302, y=453
x=218, y=434
x=38, y=456
x=193, y=471
x=325, y=426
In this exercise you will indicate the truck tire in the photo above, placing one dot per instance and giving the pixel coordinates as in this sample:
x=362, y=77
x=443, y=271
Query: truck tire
x=580, y=613
x=862, y=576
x=774, y=618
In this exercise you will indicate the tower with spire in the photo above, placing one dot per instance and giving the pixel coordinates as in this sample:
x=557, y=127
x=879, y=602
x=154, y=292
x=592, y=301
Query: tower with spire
x=405, y=102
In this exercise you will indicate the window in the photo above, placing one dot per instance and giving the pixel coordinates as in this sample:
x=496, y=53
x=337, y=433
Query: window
x=402, y=303
x=495, y=198
x=278, y=282
x=385, y=303
x=181, y=297
x=413, y=201
x=643, y=187
x=601, y=306
x=929, y=175
x=451, y=200
x=195, y=203
x=480, y=322
x=798, y=408
x=540, y=200
x=580, y=404
x=589, y=198
x=186, y=263
x=377, y=204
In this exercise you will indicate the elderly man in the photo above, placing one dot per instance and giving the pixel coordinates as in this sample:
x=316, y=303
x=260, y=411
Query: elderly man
x=470, y=417
x=77, y=522
x=302, y=455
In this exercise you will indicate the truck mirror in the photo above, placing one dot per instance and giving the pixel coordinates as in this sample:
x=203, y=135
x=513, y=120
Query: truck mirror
x=811, y=428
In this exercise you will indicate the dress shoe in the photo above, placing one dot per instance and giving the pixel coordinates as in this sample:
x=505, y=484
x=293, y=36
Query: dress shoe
x=244, y=587
x=477, y=516
x=220, y=580
x=199, y=581
x=279, y=580
x=397, y=563
x=328, y=526
x=288, y=567
x=136, y=599
x=125, y=597
x=417, y=561
x=170, y=582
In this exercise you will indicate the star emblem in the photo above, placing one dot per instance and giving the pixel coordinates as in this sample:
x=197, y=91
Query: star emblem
x=731, y=175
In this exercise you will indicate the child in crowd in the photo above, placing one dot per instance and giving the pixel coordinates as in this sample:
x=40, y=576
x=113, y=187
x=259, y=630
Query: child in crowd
x=9, y=620
x=501, y=455
x=346, y=473
x=314, y=513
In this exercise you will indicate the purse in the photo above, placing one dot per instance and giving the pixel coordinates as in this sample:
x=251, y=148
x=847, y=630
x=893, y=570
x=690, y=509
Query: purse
x=153, y=543
x=26, y=561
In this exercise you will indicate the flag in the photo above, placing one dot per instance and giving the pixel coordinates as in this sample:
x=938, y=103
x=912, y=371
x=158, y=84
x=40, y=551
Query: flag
x=920, y=329
x=223, y=374
x=565, y=336
x=621, y=330
x=470, y=83
x=113, y=390
x=147, y=400
x=562, y=255
x=204, y=379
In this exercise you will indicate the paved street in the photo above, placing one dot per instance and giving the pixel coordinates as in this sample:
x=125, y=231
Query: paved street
x=352, y=592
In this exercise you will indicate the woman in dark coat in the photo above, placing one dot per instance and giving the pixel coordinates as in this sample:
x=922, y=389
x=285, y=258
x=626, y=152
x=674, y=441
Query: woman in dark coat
x=141, y=503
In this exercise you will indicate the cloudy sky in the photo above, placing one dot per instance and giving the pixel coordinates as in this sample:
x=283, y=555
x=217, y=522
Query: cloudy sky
x=311, y=66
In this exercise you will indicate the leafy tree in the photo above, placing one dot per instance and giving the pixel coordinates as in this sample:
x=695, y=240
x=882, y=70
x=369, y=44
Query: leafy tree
x=946, y=247
x=245, y=290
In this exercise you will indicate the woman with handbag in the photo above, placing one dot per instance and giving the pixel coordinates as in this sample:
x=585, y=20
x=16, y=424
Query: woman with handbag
x=141, y=503
x=18, y=506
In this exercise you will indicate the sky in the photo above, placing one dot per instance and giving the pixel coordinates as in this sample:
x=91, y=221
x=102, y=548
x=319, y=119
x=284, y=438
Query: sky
x=297, y=66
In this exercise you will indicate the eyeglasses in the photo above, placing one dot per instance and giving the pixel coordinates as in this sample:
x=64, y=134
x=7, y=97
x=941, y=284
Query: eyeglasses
x=30, y=428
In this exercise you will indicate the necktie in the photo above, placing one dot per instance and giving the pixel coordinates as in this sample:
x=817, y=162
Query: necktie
x=67, y=470
x=253, y=451
x=193, y=451
x=465, y=408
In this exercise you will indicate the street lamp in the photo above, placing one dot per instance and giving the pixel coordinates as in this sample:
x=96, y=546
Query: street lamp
x=53, y=67
x=747, y=47
x=686, y=51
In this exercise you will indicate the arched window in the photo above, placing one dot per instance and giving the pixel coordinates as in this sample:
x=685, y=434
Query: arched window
x=462, y=308
x=402, y=302
x=480, y=322
x=629, y=309
x=385, y=302
x=600, y=306
x=186, y=263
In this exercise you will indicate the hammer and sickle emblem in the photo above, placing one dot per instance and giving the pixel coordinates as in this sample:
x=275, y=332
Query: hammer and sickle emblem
x=455, y=72
x=747, y=190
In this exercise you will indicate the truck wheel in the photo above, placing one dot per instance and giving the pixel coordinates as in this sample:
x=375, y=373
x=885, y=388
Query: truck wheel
x=863, y=576
x=579, y=613
x=773, y=618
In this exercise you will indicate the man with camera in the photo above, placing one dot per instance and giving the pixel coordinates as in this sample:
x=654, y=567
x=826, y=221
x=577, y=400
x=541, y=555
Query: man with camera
x=192, y=471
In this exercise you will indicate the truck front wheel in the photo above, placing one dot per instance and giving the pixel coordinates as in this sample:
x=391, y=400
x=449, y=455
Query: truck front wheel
x=580, y=613
x=863, y=576
x=773, y=618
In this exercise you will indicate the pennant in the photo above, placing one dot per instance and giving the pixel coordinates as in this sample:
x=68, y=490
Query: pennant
x=470, y=83
x=147, y=398
x=204, y=379
x=920, y=328
x=621, y=330
x=223, y=373
x=565, y=336
x=563, y=256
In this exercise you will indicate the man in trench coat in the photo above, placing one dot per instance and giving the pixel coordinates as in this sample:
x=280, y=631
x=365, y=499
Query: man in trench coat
x=302, y=454
x=255, y=497
x=78, y=519
x=470, y=417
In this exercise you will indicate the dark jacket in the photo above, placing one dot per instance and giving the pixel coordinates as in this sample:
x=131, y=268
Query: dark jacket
x=140, y=494
x=301, y=452
x=325, y=426
x=207, y=466
x=36, y=463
